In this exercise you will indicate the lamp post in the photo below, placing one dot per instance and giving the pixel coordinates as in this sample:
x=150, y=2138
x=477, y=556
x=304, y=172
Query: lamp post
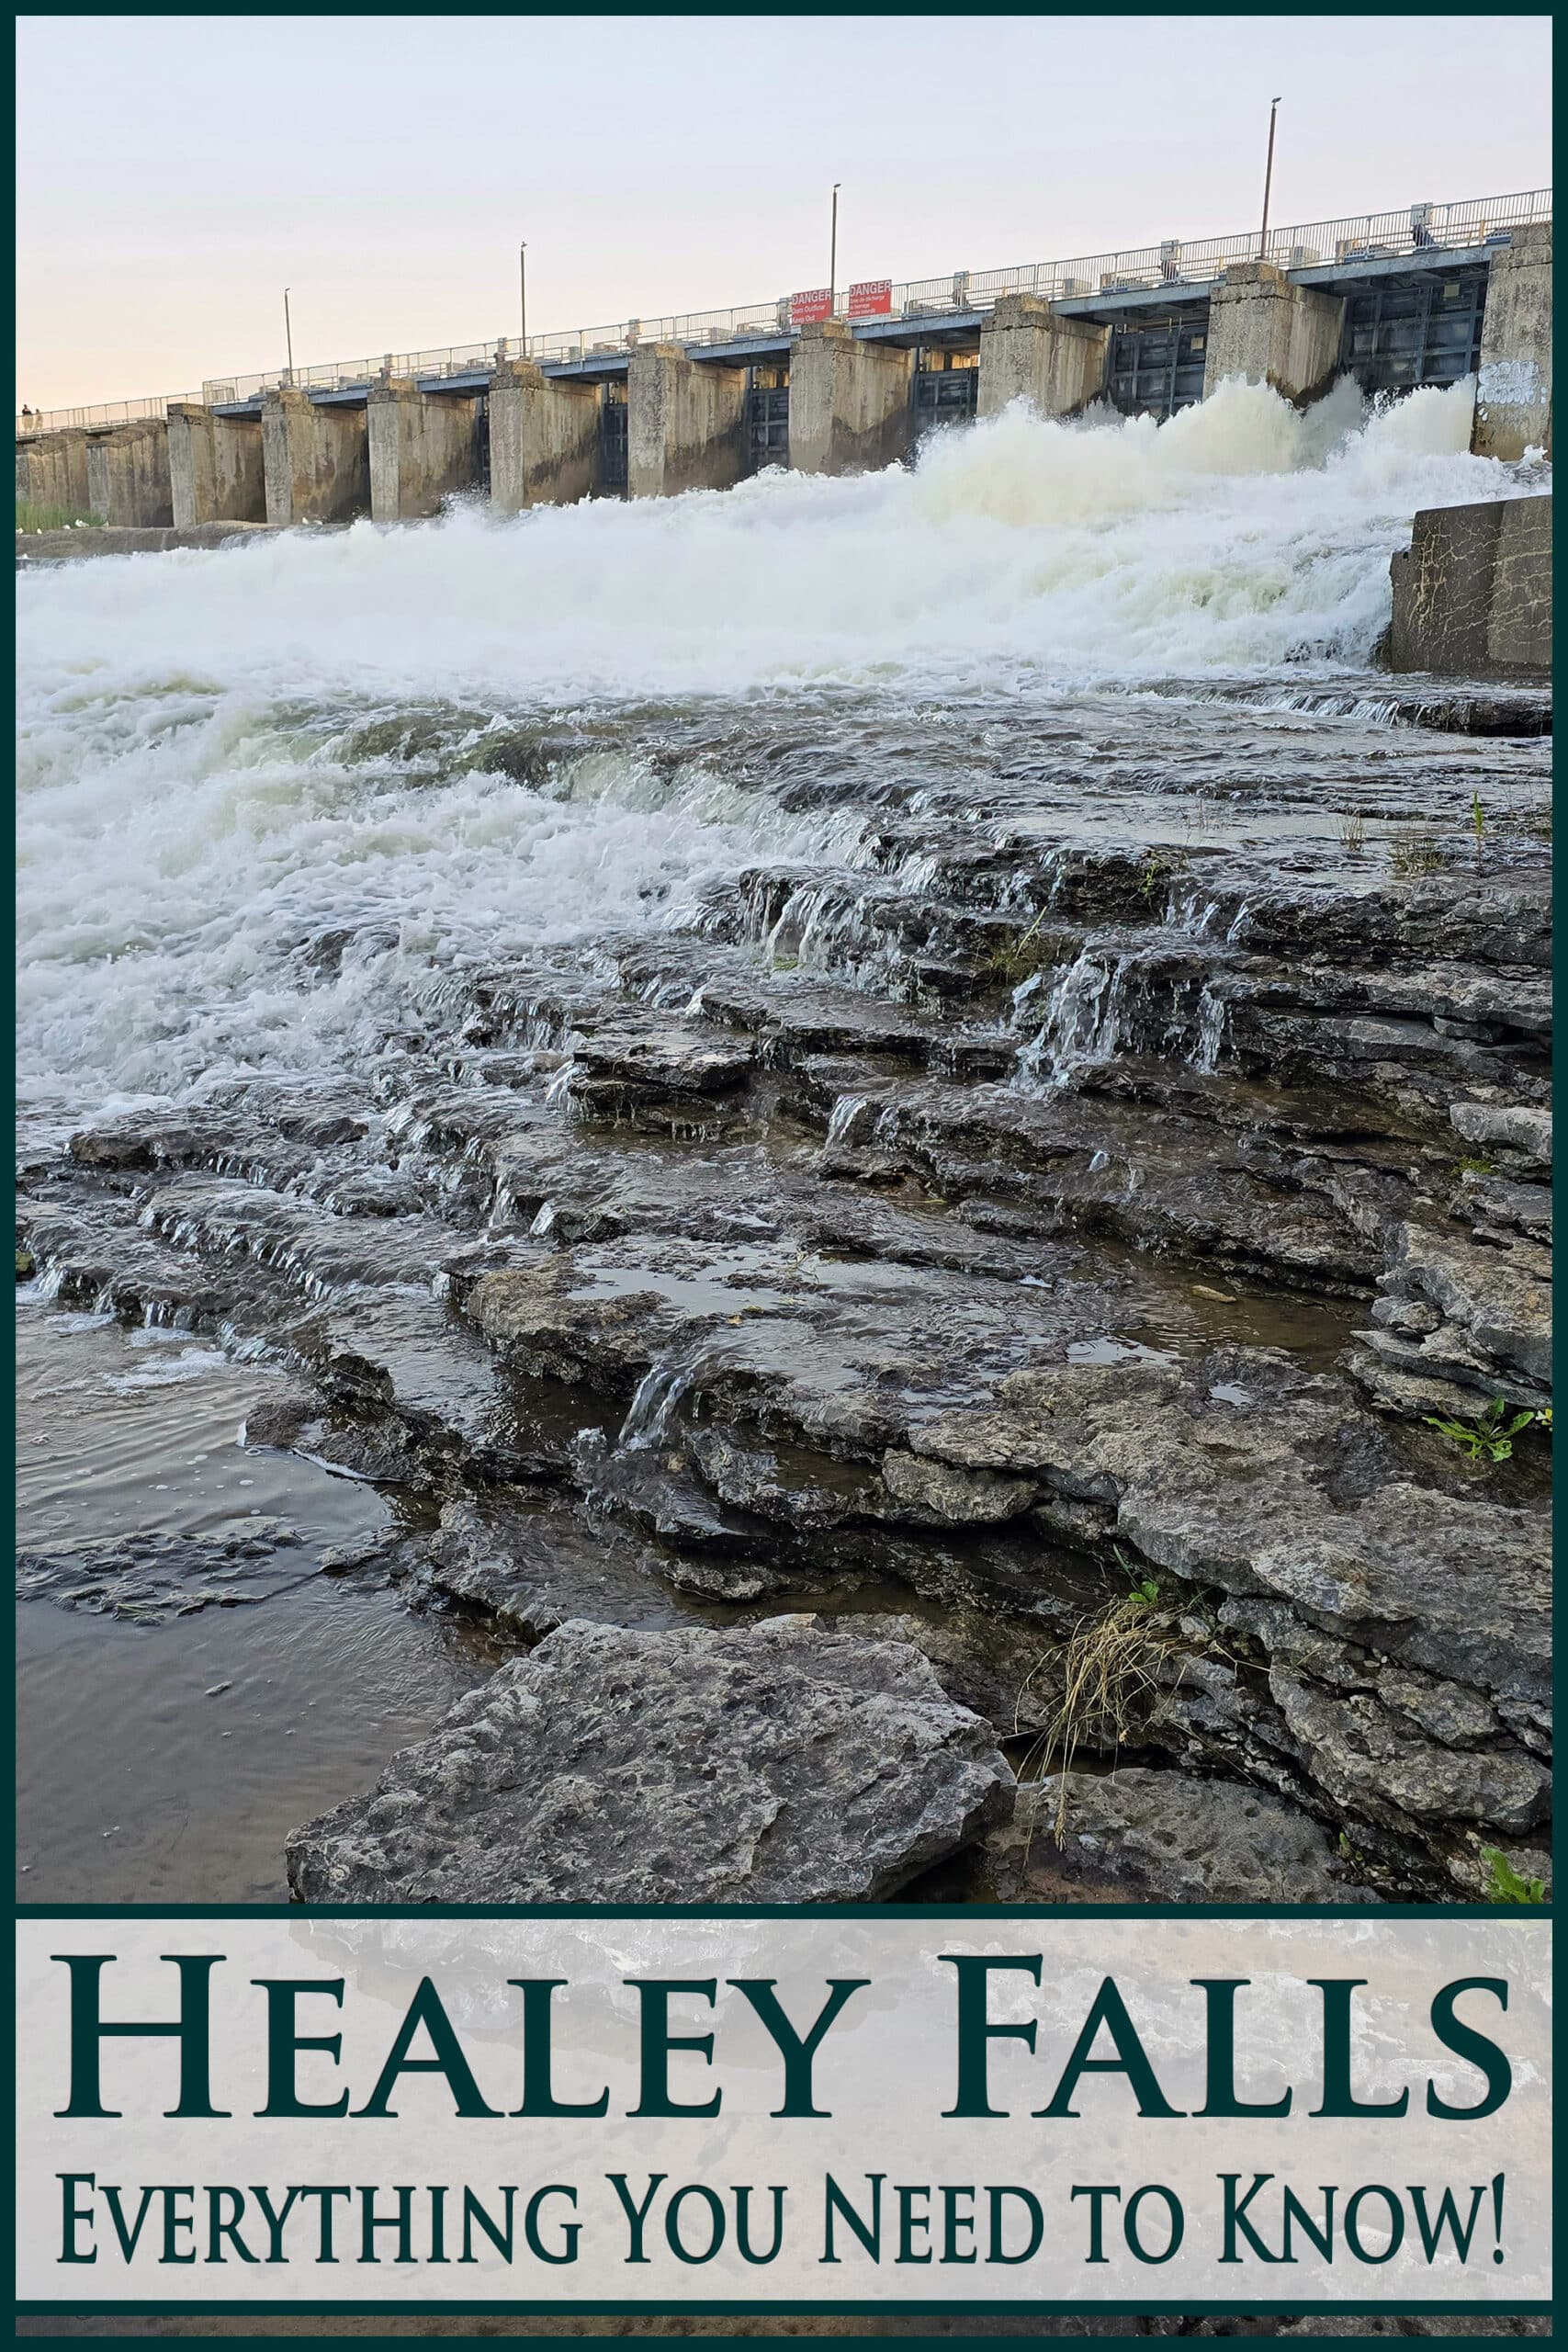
x=833, y=255
x=288, y=334
x=522, y=296
x=1267, y=181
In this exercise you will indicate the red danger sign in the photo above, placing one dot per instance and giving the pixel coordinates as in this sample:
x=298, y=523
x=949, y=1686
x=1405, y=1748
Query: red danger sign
x=874, y=300
x=805, y=308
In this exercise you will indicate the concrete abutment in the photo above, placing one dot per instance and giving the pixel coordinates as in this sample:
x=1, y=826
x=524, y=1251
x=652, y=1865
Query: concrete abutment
x=316, y=459
x=1267, y=330
x=128, y=475
x=686, y=423
x=1512, y=398
x=544, y=439
x=1472, y=593
x=1028, y=352
x=422, y=448
x=216, y=473
x=848, y=402
x=51, y=471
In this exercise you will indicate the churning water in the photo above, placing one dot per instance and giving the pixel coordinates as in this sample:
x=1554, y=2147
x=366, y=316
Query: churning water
x=281, y=807
x=229, y=759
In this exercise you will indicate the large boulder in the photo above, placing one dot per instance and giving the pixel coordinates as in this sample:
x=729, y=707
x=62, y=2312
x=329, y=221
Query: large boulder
x=790, y=1762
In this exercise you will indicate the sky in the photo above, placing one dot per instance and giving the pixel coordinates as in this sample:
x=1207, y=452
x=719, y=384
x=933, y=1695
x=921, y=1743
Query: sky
x=175, y=173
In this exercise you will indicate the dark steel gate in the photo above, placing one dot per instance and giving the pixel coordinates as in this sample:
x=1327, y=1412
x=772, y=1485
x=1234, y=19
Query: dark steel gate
x=481, y=431
x=612, y=439
x=767, y=416
x=1156, y=364
x=1404, y=332
x=944, y=388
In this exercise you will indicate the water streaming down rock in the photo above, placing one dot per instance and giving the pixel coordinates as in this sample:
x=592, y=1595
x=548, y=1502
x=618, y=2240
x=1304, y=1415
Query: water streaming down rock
x=829, y=1038
x=660, y=1395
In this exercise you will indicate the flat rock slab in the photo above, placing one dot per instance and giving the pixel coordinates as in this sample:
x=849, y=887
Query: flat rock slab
x=1141, y=1836
x=790, y=1762
x=146, y=1576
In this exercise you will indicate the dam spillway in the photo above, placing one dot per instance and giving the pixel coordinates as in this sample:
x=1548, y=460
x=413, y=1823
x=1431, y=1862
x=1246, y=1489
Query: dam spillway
x=1396, y=302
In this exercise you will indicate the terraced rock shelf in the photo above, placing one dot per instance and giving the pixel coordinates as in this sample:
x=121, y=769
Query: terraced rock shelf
x=1032, y=1231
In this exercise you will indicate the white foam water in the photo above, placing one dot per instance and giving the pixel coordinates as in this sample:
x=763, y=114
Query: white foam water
x=195, y=813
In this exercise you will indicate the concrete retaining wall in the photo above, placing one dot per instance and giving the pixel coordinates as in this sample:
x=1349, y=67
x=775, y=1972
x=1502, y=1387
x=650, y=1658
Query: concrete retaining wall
x=1512, y=398
x=1027, y=353
x=544, y=439
x=1267, y=331
x=686, y=423
x=316, y=459
x=1472, y=595
x=128, y=475
x=52, y=470
x=849, y=402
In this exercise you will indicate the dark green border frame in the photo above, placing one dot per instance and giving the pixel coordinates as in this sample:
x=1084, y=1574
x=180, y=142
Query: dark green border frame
x=1420, y=17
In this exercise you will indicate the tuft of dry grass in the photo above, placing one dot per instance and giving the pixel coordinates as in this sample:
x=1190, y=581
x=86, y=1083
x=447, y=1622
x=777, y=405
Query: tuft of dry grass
x=1352, y=832
x=1112, y=1666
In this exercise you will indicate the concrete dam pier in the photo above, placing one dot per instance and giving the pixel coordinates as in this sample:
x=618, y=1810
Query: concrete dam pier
x=1473, y=593
x=649, y=410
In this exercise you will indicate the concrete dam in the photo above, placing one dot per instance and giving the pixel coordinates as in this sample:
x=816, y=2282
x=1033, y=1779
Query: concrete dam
x=838, y=384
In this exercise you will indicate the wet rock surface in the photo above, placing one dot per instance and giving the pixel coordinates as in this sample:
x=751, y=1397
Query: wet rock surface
x=792, y=1763
x=1096, y=1177
x=146, y=1577
x=1142, y=1836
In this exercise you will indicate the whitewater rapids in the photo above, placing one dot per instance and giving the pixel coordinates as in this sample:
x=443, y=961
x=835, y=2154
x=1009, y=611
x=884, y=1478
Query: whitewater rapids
x=198, y=800
x=1240, y=534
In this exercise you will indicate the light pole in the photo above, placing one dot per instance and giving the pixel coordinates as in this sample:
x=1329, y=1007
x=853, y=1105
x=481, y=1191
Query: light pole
x=523, y=294
x=1267, y=181
x=833, y=255
x=288, y=334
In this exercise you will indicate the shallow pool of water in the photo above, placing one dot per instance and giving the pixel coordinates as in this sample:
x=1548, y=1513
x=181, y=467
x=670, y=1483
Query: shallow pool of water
x=166, y=1762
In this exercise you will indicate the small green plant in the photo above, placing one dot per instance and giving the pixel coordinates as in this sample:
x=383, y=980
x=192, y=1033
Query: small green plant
x=1489, y=1437
x=1475, y=1167
x=1158, y=867
x=25, y=1266
x=1505, y=1883
x=1416, y=850
x=1146, y=1589
x=1018, y=959
x=1477, y=819
x=1353, y=831
x=1350, y=1852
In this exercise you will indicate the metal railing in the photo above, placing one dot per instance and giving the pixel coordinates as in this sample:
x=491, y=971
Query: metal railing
x=1175, y=262
x=57, y=420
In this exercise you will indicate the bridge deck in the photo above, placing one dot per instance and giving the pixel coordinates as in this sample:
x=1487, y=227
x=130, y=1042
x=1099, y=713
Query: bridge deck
x=936, y=326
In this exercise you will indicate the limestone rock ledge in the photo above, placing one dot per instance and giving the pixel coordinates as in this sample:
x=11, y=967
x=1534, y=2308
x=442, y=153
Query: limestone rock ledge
x=788, y=1763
